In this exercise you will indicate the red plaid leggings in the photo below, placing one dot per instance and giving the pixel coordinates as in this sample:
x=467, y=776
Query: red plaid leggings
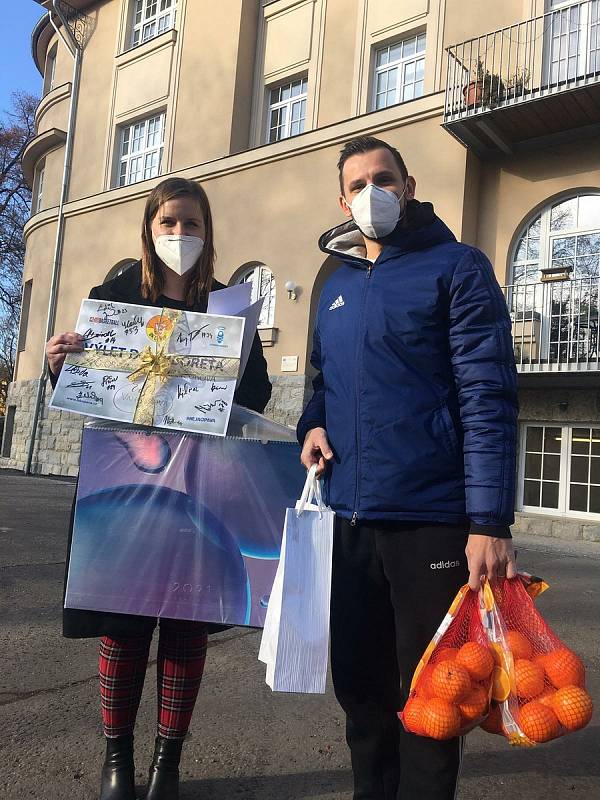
x=180, y=664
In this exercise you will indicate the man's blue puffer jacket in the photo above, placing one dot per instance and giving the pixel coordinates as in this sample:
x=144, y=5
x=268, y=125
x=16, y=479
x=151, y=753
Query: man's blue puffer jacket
x=416, y=382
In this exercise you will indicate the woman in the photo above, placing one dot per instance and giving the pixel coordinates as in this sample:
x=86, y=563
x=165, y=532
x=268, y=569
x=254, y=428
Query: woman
x=176, y=271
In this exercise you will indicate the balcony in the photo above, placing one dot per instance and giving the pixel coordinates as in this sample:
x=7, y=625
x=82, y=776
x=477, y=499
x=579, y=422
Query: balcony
x=530, y=85
x=555, y=328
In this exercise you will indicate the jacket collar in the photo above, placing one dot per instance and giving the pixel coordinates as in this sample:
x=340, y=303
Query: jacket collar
x=418, y=230
x=127, y=288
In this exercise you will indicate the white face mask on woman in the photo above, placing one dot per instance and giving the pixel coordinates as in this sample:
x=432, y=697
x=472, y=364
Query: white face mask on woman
x=376, y=211
x=179, y=253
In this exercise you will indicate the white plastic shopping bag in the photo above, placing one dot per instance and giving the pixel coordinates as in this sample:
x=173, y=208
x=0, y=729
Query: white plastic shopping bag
x=295, y=640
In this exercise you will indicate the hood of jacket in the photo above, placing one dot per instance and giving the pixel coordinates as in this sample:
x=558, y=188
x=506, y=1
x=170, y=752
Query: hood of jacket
x=418, y=229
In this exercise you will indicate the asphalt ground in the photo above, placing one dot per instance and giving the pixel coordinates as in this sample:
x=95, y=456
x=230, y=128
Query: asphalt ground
x=245, y=741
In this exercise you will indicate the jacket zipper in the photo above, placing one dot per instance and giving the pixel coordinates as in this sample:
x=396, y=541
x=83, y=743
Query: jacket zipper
x=354, y=519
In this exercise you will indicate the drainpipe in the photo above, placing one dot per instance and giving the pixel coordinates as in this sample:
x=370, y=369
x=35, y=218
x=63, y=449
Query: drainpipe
x=76, y=50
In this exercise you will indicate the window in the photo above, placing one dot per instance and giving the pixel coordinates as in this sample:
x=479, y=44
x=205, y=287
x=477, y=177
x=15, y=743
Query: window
x=399, y=70
x=572, y=40
x=25, y=304
x=556, y=278
x=119, y=269
x=38, y=187
x=9, y=426
x=287, y=110
x=151, y=18
x=50, y=71
x=263, y=285
x=542, y=466
x=560, y=469
x=141, y=150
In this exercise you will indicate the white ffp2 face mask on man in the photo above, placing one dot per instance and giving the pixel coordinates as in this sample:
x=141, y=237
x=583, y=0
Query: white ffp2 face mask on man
x=179, y=253
x=376, y=211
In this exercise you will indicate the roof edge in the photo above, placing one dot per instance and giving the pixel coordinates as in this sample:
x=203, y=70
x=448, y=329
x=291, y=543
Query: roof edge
x=41, y=25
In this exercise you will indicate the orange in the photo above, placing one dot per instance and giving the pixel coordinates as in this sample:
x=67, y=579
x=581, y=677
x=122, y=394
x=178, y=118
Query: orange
x=546, y=697
x=540, y=660
x=476, y=659
x=500, y=684
x=441, y=719
x=538, y=722
x=564, y=668
x=412, y=716
x=529, y=678
x=520, y=646
x=446, y=654
x=573, y=707
x=423, y=686
x=474, y=705
x=493, y=722
x=450, y=681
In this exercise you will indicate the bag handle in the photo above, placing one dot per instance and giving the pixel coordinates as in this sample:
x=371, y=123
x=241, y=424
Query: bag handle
x=310, y=493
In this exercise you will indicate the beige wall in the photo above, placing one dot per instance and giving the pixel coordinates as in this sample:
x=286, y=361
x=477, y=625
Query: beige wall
x=207, y=83
x=271, y=210
x=271, y=203
x=38, y=264
x=53, y=111
x=93, y=123
x=466, y=20
x=338, y=62
x=511, y=191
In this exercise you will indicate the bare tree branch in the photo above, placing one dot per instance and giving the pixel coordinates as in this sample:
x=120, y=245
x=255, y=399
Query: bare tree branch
x=17, y=127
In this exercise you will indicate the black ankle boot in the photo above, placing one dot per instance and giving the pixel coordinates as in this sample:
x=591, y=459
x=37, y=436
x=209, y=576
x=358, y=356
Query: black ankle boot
x=118, y=773
x=163, y=779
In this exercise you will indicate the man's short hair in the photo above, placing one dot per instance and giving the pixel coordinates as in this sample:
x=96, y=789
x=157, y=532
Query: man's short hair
x=364, y=144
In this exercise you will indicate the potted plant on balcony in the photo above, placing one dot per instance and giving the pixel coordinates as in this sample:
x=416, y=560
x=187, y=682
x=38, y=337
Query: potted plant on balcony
x=485, y=89
x=518, y=83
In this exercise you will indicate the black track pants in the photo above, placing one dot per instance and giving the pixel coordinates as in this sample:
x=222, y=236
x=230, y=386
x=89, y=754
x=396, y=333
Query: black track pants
x=392, y=584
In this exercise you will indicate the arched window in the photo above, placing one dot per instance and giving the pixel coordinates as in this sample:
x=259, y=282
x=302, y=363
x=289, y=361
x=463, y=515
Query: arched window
x=120, y=268
x=555, y=281
x=263, y=285
x=564, y=237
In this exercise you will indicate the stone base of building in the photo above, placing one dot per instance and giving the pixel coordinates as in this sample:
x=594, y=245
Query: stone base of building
x=565, y=528
x=559, y=405
x=58, y=440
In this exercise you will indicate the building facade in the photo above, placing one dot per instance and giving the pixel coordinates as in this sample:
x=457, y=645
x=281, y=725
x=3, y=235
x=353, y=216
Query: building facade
x=494, y=107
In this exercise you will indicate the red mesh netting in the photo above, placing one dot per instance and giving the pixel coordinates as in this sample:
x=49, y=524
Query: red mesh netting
x=450, y=691
x=538, y=686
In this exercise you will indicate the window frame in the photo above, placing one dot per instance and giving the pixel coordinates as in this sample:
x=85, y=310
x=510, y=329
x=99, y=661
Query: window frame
x=37, y=194
x=245, y=276
x=121, y=157
x=523, y=291
x=419, y=55
x=291, y=101
x=24, y=318
x=146, y=20
x=584, y=54
x=564, y=482
x=50, y=70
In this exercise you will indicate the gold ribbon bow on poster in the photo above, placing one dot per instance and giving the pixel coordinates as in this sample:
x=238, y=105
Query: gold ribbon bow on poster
x=156, y=367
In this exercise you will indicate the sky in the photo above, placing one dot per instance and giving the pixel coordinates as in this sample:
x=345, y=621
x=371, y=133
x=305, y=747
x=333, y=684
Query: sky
x=17, y=70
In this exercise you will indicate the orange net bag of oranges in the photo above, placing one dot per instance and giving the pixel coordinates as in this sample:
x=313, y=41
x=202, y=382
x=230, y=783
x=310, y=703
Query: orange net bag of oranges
x=538, y=684
x=451, y=689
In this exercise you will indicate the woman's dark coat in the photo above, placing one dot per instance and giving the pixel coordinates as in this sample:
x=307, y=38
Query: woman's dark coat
x=253, y=392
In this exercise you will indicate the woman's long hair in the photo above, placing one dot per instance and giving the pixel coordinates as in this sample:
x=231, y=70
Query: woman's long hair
x=200, y=277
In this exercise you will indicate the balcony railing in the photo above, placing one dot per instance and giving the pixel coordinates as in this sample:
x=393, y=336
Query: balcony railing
x=529, y=62
x=555, y=325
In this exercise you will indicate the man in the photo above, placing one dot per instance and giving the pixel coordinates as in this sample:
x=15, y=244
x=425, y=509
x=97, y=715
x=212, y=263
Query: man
x=413, y=420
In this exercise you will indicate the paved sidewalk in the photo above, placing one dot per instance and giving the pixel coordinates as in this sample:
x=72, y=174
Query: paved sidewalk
x=245, y=741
